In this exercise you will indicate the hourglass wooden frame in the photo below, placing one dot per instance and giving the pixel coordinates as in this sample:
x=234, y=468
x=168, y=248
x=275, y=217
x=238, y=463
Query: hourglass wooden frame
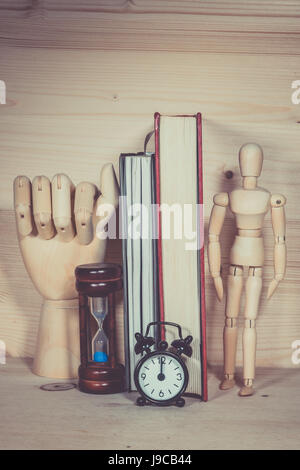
x=98, y=280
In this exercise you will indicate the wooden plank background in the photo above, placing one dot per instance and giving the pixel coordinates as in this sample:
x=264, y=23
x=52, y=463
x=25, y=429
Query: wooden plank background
x=83, y=82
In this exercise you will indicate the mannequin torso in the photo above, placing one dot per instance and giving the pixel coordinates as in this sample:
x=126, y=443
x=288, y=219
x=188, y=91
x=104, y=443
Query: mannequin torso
x=249, y=207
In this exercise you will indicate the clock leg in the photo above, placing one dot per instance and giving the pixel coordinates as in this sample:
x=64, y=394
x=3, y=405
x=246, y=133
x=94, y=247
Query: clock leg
x=180, y=402
x=140, y=401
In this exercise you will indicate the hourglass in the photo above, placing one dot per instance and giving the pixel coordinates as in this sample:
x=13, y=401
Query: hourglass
x=96, y=285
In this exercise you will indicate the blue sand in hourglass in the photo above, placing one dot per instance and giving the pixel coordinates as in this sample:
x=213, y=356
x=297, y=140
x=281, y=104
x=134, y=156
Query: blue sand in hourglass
x=100, y=341
x=100, y=356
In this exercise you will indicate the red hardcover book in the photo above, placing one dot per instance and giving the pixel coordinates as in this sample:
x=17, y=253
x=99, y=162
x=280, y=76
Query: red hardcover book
x=179, y=196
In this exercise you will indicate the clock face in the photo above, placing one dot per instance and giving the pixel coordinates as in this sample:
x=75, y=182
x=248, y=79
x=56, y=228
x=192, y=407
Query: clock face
x=161, y=376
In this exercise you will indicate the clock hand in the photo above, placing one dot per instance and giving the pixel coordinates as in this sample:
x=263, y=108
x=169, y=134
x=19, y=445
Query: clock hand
x=161, y=375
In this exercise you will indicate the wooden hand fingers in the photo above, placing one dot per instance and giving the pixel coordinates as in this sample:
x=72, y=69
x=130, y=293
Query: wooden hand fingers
x=109, y=199
x=49, y=206
x=23, y=205
x=42, y=207
x=56, y=208
x=62, y=201
x=83, y=210
x=109, y=190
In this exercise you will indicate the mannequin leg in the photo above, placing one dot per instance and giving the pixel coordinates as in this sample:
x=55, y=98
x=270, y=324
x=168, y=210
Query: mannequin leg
x=253, y=291
x=234, y=291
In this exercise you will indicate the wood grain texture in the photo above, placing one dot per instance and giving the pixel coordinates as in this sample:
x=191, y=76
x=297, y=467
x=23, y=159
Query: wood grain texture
x=82, y=87
x=34, y=419
x=265, y=27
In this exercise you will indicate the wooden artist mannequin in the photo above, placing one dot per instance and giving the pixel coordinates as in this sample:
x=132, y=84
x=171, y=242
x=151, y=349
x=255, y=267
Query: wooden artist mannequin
x=249, y=204
x=56, y=225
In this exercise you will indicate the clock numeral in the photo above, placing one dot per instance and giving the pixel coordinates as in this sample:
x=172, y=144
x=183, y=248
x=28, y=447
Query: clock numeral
x=161, y=394
x=143, y=376
x=161, y=360
x=179, y=376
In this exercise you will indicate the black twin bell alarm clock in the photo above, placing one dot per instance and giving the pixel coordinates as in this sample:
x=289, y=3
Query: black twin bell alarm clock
x=161, y=376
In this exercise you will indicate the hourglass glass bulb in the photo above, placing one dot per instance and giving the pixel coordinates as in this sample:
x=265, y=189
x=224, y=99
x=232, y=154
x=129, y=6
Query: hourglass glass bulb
x=100, y=340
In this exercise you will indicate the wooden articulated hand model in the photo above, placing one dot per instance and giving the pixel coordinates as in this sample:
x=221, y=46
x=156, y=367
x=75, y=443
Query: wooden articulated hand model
x=56, y=226
x=249, y=204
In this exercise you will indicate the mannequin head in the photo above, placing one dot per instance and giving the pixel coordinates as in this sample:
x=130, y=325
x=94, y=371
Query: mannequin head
x=251, y=160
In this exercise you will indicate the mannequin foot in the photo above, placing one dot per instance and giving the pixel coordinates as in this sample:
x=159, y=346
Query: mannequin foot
x=227, y=383
x=247, y=390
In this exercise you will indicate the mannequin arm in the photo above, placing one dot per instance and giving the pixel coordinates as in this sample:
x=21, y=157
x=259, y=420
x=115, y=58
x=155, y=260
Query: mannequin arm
x=278, y=222
x=214, y=250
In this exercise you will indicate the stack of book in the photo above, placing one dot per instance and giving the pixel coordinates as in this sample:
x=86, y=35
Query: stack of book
x=162, y=231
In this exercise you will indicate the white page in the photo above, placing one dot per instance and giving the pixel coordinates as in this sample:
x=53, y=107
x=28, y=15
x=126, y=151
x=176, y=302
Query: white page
x=181, y=280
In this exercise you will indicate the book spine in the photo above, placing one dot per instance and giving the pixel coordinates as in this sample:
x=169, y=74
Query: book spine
x=201, y=259
x=204, y=394
x=159, y=240
x=125, y=274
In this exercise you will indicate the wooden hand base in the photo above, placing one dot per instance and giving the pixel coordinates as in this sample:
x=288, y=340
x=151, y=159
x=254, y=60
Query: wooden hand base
x=57, y=351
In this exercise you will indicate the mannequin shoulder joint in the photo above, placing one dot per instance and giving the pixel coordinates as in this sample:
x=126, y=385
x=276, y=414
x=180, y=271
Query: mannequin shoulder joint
x=221, y=199
x=277, y=200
